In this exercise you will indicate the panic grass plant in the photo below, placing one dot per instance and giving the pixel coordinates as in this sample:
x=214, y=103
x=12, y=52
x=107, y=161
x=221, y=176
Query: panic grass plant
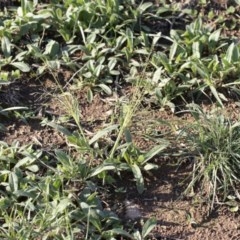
x=214, y=141
x=121, y=156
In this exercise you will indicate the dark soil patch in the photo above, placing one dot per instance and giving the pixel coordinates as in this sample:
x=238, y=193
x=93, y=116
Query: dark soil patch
x=178, y=217
x=185, y=218
x=32, y=133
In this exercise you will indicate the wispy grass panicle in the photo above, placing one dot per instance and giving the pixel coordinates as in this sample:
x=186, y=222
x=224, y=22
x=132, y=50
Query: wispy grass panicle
x=215, y=141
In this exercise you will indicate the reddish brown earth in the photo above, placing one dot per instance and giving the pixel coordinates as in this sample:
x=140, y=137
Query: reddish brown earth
x=180, y=217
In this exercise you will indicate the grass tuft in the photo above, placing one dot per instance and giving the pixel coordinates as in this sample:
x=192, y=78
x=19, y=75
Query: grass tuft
x=214, y=140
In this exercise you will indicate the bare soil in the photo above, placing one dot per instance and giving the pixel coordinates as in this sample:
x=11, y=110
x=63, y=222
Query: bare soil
x=181, y=217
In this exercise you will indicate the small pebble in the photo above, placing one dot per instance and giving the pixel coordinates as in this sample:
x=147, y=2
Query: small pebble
x=132, y=211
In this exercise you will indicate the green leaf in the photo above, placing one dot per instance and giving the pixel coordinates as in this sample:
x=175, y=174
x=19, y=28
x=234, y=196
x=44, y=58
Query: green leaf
x=231, y=10
x=63, y=204
x=163, y=9
x=143, y=7
x=129, y=35
x=184, y=66
x=6, y=47
x=234, y=208
x=214, y=36
x=173, y=50
x=55, y=64
x=62, y=157
x=98, y=69
x=13, y=109
x=59, y=13
x=91, y=38
x=128, y=135
x=59, y=128
x=162, y=57
x=157, y=75
x=148, y=226
x=21, y=66
x=4, y=77
x=137, y=235
x=84, y=206
x=105, y=88
x=138, y=176
x=65, y=34
x=201, y=69
x=112, y=63
x=21, y=193
x=119, y=42
x=196, y=50
x=33, y=168
x=232, y=54
x=116, y=231
x=222, y=97
x=36, y=51
x=114, y=72
x=235, y=55
x=103, y=132
x=52, y=49
x=13, y=181
x=154, y=151
x=142, y=51
x=150, y=166
x=41, y=69
x=28, y=160
x=20, y=56
x=215, y=94
x=89, y=95
x=101, y=169
x=156, y=38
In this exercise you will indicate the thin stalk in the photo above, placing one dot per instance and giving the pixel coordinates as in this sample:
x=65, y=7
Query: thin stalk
x=136, y=100
x=88, y=222
x=72, y=107
x=126, y=122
